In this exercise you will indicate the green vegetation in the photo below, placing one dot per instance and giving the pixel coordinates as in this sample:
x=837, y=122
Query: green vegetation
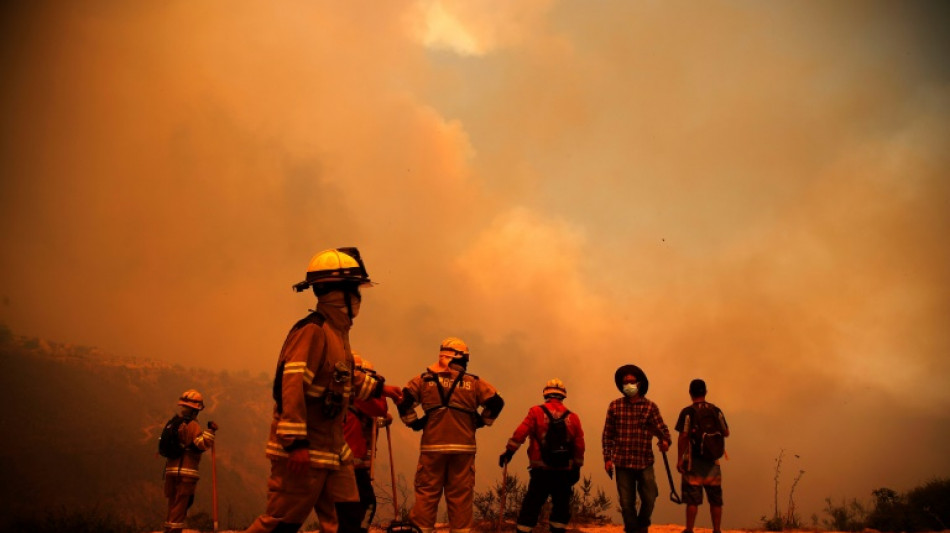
x=586, y=507
x=924, y=508
x=790, y=519
x=83, y=433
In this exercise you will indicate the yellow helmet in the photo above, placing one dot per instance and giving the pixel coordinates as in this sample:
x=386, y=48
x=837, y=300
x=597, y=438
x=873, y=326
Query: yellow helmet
x=191, y=398
x=455, y=346
x=359, y=362
x=554, y=386
x=335, y=265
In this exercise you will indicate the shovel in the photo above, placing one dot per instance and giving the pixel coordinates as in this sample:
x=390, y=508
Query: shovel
x=397, y=526
x=674, y=497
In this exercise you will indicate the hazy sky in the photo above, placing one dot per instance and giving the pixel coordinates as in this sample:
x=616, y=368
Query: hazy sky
x=755, y=193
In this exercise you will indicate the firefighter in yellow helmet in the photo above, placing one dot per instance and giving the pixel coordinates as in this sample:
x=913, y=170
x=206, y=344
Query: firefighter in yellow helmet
x=450, y=398
x=315, y=382
x=182, y=443
x=555, y=457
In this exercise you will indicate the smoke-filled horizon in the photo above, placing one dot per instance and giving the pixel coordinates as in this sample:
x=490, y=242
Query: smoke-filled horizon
x=751, y=193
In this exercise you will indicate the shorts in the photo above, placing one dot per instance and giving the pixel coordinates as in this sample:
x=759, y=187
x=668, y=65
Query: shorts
x=703, y=475
x=693, y=494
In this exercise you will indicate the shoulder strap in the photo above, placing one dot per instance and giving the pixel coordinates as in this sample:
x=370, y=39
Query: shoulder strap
x=551, y=417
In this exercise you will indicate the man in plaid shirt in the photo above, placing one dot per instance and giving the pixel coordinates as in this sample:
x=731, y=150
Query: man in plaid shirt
x=632, y=422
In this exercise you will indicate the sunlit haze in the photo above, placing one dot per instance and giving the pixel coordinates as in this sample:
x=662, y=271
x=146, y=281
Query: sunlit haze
x=755, y=193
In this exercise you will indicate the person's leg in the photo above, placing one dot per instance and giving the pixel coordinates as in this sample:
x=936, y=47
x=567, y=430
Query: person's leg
x=648, y=492
x=460, y=492
x=691, y=512
x=561, y=490
x=429, y=483
x=339, y=494
x=290, y=498
x=367, y=497
x=714, y=492
x=534, y=499
x=343, y=487
x=627, y=498
x=177, y=505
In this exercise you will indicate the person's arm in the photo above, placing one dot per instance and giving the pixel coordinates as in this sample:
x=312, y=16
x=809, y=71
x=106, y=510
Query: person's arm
x=663, y=430
x=200, y=439
x=722, y=422
x=373, y=407
x=411, y=397
x=682, y=442
x=296, y=372
x=608, y=441
x=491, y=403
x=525, y=428
x=579, y=444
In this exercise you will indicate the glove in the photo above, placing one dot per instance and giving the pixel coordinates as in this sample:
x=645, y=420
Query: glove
x=505, y=458
x=212, y=426
x=419, y=423
x=575, y=475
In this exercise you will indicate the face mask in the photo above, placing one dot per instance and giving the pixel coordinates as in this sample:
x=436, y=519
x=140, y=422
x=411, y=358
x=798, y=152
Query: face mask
x=630, y=389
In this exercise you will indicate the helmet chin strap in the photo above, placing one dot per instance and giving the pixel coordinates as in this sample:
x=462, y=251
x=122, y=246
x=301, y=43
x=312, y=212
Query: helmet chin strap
x=348, y=300
x=349, y=305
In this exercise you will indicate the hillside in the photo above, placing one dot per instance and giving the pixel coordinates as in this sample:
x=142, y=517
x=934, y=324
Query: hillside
x=82, y=429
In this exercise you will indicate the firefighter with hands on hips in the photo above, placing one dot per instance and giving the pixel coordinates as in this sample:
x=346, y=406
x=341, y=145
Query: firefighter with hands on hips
x=183, y=456
x=359, y=424
x=315, y=382
x=555, y=455
x=450, y=398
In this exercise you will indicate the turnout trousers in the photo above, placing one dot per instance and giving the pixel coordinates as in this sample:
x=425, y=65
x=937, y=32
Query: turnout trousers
x=290, y=498
x=356, y=516
x=180, y=492
x=544, y=483
x=449, y=473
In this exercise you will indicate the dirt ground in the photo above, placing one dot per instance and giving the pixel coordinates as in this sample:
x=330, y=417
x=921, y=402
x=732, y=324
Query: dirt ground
x=612, y=528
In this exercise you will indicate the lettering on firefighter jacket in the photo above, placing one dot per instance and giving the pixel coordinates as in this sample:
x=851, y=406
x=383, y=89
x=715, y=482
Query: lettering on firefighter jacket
x=452, y=411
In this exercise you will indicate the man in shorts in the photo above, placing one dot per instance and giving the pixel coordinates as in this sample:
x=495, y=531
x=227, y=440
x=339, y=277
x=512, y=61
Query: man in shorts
x=699, y=472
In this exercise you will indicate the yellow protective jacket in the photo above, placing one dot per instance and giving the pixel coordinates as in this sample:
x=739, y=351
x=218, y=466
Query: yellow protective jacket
x=196, y=441
x=314, y=384
x=450, y=423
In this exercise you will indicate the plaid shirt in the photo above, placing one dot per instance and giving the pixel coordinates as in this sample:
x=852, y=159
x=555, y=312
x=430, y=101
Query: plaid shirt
x=629, y=430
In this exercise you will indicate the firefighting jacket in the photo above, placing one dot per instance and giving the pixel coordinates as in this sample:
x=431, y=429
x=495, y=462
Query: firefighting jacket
x=358, y=428
x=314, y=384
x=197, y=441
x=450, y=402
x=535, y=426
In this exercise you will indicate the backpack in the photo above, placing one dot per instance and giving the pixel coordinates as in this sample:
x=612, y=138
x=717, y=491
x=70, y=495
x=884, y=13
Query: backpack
x=169, y=443
x=557, y=448
x=706, y=432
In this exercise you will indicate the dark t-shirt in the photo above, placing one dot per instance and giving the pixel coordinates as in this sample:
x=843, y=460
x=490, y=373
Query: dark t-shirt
x=685, y=420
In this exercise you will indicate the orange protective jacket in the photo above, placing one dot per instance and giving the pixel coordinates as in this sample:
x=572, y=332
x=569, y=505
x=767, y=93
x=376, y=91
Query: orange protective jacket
x=198, y=440
x=314, y=384
x=451, y=425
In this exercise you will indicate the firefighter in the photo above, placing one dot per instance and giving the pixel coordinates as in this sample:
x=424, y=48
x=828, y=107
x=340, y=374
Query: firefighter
x=450, y=398
x=359, y=427
x=315, y=381
x=181, y=467
x=555, y=455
